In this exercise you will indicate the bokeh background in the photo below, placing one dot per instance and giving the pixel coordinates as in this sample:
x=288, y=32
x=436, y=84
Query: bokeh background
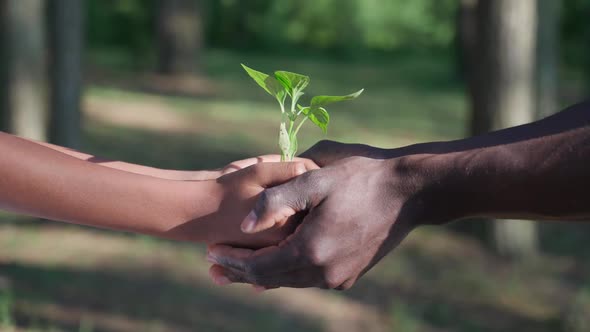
x=160, y=83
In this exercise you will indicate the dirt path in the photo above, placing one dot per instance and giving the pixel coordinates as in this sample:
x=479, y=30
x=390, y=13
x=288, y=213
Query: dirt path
x=82, y=251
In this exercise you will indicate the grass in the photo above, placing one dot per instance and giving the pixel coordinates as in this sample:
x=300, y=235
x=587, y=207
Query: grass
x=56, y=277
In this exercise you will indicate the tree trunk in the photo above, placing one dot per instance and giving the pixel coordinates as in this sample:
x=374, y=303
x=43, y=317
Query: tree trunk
x=24, y=74
x=66, y=45
x=547, y=57
x=4, y=103
x=466, y=39
x=505, y=92
x=179, y=36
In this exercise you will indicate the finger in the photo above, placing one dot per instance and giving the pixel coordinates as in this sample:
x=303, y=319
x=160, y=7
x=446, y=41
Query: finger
x=271, y=158
x=304, y=277
x=272, y=174
x=271, y=267
x=219, y=276
x=228, y=256
x=275, y=205
x=244, y=163
x=259, y=267
x=224, y=276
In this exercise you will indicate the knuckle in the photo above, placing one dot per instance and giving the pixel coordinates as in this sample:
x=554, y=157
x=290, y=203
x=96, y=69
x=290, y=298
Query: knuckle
x=266, y=200
x=309, y=179
x=332, y=282
x=334, y=278
x=254, y=171
x=315, y=256
x=314, y=179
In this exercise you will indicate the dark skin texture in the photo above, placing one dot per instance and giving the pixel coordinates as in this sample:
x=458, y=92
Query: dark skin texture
x=365, y=200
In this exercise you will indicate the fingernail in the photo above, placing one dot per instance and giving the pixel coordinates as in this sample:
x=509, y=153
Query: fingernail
x=249, y=223
x=222, y=280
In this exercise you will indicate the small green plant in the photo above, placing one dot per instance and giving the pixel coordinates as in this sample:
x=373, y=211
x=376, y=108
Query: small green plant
x=286, y=84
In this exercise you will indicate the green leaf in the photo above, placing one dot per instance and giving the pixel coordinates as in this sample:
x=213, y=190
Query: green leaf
x=319, y=101
x=268, y=83
x=319, y=116
x=294, y=83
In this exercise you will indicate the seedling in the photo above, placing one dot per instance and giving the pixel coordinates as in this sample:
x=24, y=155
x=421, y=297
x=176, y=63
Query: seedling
x=286, y=84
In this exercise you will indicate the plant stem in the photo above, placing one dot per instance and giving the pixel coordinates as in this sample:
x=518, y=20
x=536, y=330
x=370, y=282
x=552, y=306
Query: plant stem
x=299, y=126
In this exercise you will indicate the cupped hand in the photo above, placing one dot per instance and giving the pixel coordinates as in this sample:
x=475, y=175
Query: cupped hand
x=358, y=210
x=269, y=158
x=234, y=166
x=229, y=198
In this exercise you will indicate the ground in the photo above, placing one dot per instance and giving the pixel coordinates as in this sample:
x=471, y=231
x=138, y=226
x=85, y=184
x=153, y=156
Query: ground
x=56, y=277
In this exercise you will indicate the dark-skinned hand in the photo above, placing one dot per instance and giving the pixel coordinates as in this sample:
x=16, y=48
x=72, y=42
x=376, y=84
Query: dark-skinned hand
x=358, y=209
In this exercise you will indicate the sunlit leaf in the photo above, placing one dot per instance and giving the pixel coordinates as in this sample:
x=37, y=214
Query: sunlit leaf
x=268, y=83
x=319, y=116
x=319, y=101
x=294, y=83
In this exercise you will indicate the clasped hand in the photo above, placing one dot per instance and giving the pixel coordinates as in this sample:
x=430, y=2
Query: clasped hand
x=357, y=208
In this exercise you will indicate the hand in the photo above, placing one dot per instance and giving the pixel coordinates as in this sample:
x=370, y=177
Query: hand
x=327, y=152
x=229, y=200
x=229, y=168
x=269, y=158
x=359, y=210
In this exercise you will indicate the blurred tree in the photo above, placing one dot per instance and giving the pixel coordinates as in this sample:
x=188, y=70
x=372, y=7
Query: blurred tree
x=467, y=48
x=575, y=41
x=122, y=33
x=503, y=94
x=179, y=36
x=4, y=103
x=547, y=56
x=24, y=68
x=66, y=43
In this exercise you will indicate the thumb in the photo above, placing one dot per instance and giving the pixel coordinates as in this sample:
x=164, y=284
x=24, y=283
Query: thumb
x=274, y=173
x=275, y=205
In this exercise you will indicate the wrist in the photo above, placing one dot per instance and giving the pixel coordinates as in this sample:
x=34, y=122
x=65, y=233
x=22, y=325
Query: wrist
x=431, y=187
x=190, y=203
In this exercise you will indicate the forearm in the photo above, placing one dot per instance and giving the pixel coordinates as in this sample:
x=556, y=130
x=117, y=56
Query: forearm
x=134, y=168
x=537, y=171
x=45, y=183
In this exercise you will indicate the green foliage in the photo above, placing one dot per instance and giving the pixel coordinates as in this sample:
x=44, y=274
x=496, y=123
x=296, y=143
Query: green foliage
x=128, y=27
x=576, y=318
x=576, y=36
x=287, y=83
x=292, y=82
x=6, y=302
x=337, y=24
x=319, y=116
x=319, y=101
x=268, y=83
x=124, y=25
